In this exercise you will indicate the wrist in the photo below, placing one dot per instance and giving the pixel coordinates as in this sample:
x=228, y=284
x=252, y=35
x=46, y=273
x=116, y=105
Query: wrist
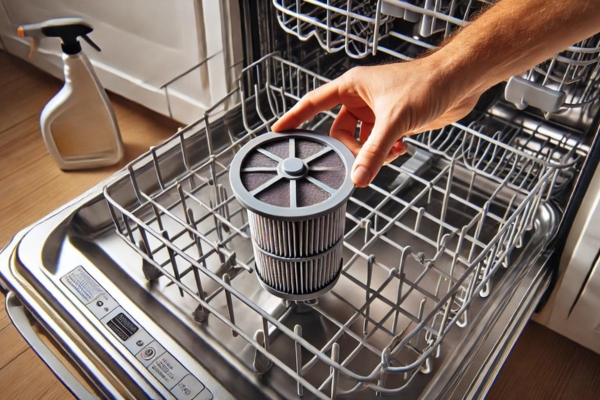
x=457, y=69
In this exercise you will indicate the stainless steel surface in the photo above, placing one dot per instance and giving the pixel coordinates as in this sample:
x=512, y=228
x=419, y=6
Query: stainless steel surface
x=444, y=254
x=405, y=29
x=488, y=347
x=38, y=303
x=572, y=308
x=32, y=267
x=84, y=237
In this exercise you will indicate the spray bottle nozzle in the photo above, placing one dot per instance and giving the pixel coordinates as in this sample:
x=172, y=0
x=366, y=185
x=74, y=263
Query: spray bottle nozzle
x=68, y=29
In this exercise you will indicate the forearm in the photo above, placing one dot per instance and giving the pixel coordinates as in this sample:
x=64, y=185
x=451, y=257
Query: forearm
x=515, y=35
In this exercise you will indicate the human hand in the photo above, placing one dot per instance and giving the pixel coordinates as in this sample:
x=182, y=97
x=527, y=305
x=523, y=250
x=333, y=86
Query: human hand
x=391, y=101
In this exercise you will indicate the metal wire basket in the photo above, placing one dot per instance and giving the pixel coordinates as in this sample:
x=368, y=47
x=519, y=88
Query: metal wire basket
x=399, y=28
x=495, y=155
x=569, y=80
x=354, y=26
x=406, y=28
x=422, y=246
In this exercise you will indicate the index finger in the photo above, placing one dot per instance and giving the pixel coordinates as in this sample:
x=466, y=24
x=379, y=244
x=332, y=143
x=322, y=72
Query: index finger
x=321, y=99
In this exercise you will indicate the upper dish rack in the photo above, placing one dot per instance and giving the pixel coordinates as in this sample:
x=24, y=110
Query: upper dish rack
x=569, y=80
x=336, y=25
x=406, y=28
x=495, y=157
x=414, y=266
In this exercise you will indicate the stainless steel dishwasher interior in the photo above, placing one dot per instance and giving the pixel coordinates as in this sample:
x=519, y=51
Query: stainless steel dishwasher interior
x=86, y=233
x=438, y=243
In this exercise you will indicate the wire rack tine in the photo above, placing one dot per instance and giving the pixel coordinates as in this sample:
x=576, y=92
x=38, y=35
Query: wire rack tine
x=298, y=351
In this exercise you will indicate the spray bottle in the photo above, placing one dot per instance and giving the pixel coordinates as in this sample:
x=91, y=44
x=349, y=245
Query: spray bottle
x=78, y=125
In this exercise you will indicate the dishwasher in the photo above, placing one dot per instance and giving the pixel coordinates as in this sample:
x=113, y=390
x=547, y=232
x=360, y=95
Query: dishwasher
x=145, y=286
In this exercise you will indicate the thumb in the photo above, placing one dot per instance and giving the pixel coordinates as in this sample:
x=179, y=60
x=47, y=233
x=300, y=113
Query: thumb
x=374, y=152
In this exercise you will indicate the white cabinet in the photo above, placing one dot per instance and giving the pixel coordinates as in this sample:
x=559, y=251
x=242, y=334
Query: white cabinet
x=145, y=45
x=574, y=308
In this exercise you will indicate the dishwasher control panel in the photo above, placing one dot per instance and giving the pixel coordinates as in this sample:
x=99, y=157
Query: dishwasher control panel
x=182, y=384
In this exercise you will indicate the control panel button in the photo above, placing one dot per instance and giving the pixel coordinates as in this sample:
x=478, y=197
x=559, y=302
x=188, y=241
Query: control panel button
x=102, y=305
x=204, y=395
x=148, y=354
x=187, y=388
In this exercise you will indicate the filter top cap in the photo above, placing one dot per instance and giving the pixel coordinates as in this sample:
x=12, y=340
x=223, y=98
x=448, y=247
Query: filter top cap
x=295, y=175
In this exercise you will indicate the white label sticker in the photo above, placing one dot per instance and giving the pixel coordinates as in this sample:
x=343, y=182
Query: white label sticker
x=82, y=285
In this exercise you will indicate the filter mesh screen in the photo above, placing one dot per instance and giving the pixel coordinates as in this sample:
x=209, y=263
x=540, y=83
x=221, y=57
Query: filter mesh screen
x=306, y=148
x=330, y=159
x=280, y=148
x=252, y=180
x=277, y=194
x=309, y=194
x=257, y=159
x=333, y=179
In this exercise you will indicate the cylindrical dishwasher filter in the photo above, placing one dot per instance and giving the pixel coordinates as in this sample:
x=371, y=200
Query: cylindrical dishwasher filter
x=295, y=187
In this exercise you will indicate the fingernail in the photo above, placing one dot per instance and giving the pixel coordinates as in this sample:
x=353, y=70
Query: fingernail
x=361, y=176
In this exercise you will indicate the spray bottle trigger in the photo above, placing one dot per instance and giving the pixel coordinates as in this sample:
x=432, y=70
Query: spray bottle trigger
x=89, y=41
x=32, y=47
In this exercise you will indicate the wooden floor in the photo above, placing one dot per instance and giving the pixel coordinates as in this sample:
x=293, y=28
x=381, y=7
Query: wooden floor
x=543, y=365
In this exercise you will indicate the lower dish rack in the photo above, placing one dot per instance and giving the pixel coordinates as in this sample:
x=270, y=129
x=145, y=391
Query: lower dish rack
x=422, y=242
